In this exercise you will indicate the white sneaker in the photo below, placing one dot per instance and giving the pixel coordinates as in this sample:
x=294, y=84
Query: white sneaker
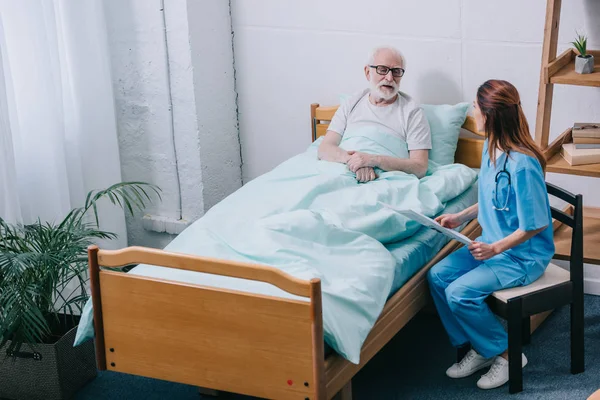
x=498, y=373
x=471, y=363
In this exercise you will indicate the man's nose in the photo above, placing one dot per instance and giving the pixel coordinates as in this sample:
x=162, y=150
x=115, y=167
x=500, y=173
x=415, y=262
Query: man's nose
x=389, y=76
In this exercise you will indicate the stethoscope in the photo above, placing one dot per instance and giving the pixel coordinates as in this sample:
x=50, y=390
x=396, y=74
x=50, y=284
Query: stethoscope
x=499, y=175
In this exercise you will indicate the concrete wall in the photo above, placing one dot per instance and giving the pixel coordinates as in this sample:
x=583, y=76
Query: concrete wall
x=211, y=37
x=289, y=54
x=192, y=153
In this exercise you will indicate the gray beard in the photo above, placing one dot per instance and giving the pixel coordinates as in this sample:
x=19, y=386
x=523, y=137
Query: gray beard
x=378, y=94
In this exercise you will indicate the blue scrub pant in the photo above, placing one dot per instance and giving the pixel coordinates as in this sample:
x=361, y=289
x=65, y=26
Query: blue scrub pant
x=459, y=285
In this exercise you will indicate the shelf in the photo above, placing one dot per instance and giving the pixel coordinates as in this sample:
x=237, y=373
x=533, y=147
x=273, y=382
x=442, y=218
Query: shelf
x=591, y=238
x=565, y=72
x=559, y=165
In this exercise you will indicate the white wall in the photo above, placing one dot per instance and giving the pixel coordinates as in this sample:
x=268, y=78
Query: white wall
x=193, y=154
x=292, y=53
x=289, y=54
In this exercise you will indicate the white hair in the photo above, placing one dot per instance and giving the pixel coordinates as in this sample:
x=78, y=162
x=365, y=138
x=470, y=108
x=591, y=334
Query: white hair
x=391, y=49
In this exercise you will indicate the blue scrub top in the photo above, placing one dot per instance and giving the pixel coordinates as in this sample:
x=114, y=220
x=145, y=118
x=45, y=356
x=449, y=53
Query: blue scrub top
x=528, y=210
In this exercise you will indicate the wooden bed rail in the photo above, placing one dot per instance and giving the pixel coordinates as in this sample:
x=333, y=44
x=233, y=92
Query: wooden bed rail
x=209, y=337
x=255, y=272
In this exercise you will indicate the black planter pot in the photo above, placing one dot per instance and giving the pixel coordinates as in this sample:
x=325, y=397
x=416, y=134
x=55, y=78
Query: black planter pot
x=48, y=372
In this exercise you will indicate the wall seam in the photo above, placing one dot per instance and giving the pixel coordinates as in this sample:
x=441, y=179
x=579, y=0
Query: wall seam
x=349, y=32
x=171, y=114
x=237, y=109
x=460, y=39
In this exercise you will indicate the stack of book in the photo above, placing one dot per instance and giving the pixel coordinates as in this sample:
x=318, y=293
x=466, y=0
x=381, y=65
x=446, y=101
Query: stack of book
x=585, y=148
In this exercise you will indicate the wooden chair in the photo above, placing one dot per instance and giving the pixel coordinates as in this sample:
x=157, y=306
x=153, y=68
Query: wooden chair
x=557, y=287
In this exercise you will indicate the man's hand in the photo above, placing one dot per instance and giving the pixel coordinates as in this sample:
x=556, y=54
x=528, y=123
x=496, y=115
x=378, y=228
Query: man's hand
x=359, y=160
x=365, y=174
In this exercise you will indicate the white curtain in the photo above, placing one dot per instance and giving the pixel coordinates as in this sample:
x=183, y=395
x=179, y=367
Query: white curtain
x=57, y=120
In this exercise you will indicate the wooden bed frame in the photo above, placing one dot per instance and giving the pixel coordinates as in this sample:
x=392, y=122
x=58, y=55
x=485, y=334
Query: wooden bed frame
x=234, y=341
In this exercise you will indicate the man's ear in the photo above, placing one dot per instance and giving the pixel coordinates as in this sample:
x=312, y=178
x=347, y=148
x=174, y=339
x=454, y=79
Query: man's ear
x=368, y=72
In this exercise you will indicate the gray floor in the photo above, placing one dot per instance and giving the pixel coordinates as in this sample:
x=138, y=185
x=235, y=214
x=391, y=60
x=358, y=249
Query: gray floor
x=412, y=366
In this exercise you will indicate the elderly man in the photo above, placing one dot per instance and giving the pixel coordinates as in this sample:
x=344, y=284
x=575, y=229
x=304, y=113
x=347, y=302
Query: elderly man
x=384, y=106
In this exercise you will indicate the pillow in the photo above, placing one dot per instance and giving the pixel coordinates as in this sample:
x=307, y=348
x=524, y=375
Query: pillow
x=444, y=121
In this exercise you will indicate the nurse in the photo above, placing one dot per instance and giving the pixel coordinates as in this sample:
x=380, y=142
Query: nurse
x=516, y=244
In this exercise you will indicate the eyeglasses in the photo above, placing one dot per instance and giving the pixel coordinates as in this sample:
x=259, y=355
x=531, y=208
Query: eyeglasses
x=383, y=70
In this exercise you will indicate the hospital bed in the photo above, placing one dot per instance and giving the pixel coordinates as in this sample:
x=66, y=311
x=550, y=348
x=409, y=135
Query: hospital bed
x=247, y=343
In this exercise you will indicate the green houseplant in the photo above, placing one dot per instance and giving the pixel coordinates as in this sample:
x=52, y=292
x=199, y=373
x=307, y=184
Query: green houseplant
x=584, y=62
x=43, y=280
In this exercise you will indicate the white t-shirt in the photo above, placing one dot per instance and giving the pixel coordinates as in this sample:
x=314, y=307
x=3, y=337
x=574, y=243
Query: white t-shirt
x=403, y=118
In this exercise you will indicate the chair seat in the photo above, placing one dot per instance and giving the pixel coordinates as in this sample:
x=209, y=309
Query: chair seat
x=553, y=275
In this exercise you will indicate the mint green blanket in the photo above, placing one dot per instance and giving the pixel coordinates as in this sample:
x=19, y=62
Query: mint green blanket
x=311, y=218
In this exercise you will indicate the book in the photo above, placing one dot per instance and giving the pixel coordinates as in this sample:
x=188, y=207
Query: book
x=586, y=140
x=430, y=223
x=580, y=156
x=579, y=146
x=586, y=129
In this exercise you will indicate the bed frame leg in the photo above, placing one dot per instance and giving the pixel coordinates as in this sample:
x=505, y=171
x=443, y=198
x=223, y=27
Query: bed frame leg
x=205, y=392
x=345, y=393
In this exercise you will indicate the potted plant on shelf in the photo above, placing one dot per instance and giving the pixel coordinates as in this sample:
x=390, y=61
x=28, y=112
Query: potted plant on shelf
x=43, y=279
x=584, y=62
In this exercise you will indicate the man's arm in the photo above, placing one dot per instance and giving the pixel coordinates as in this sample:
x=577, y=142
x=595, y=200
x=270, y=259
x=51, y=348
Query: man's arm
x=329, y=149
x=417, y=163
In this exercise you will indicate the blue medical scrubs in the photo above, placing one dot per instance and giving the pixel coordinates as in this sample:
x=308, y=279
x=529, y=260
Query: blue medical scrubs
x=460, y=284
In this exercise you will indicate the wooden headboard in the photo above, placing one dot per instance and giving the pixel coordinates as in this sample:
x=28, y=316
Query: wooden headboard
x=468, y=150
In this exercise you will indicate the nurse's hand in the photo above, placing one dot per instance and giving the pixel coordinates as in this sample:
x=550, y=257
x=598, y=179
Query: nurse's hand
x=482, y=251
x=449, y=220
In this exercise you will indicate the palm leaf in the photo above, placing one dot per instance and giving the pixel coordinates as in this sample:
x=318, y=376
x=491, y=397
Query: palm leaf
x=121, y=193
x=40, y=260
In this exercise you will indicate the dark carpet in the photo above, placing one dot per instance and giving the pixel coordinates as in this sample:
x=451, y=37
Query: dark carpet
x=413, y=364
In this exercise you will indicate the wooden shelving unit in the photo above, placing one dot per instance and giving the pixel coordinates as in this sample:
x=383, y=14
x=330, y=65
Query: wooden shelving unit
x=591, y=235
x=559, y=165
x=561, y=70
x=556, y=163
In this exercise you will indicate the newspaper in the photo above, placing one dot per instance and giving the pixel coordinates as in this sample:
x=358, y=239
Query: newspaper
x=430, y=223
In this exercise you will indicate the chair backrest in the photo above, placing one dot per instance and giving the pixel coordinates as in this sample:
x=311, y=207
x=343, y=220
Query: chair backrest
x=575, y=221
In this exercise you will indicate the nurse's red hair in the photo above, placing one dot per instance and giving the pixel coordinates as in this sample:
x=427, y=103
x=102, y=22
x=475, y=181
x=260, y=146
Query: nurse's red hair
x=505, y=123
